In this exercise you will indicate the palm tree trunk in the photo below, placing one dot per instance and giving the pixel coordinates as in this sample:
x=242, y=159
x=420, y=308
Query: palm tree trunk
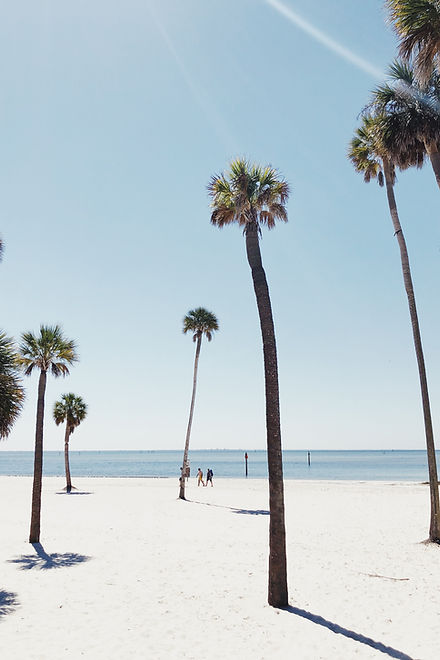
x=191, y=411
x=66, y=458
x=34, y=535
x=277, y=590
x=434, y=529
x=434, y=157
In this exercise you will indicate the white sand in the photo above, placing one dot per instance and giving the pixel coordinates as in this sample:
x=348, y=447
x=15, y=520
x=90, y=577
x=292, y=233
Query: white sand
x=132, y=572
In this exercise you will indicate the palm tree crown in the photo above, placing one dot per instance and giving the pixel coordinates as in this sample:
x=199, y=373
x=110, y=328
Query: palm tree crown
x=417, y=24
x=380, y=137
x=200, y=322
x=367, y=147
x=413, y=109
x=71, y=409
x=11, y=390
x=248, y=194
x=48, y=350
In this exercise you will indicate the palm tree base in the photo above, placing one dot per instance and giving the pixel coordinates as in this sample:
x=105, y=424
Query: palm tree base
x=68, y=489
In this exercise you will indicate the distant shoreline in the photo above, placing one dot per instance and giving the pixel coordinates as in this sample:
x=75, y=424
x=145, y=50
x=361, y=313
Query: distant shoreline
x=328, y=465
x=3, y=449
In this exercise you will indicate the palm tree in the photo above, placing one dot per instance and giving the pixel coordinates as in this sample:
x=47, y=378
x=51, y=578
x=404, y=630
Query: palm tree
x=11, y=390
x=414, y=111
x=72, y=410
x=253, y=196
x=48, y=350
x=200, y=322
x=417, y=24
x=370, y=157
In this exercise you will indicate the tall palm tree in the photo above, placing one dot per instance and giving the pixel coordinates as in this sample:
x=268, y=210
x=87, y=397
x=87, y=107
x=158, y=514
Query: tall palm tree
x=11, y=390
x=201, y=323
x=413, y=109
x=47, y=351
x=253, y=196
x=417, y=24
x=370, y=157
x=72, y=410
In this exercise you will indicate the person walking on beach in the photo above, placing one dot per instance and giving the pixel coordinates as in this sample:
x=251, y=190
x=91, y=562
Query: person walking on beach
x=200, y=477
x=209, y=475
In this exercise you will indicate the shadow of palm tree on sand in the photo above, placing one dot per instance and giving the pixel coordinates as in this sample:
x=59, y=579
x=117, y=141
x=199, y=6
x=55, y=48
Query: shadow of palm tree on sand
x=252, y=512
x=339, y=630
x=8, y=602
x=42, y=561
x=247, y=512
x=77, y=492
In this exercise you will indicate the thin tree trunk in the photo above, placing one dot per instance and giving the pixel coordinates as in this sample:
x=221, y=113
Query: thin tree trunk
x=34, y=535
x=191, y=411
x=434, y=157
x=434, y=529
x=277, y=589
x=66, y=458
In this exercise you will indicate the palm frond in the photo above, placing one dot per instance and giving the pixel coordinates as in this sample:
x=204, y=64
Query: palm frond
x=70, y=408
x=410, y=114
x=363, y=151
x=401, y=71
x=49, y=350
x=200, y=322
x=11, y=389
x=248, y=193
x=417, y=24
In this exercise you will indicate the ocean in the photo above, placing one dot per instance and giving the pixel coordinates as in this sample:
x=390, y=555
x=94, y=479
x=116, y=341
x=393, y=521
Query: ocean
x=386, y=465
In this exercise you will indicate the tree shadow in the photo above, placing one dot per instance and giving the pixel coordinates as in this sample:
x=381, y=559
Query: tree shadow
x=42, y=561
x=252, y=512
x=78, y=492
x=8, y=602
x=248, y=512
x=339, y=630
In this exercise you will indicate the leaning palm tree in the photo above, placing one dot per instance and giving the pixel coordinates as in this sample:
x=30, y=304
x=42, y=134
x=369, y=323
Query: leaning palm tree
x=72, y=410
x=253, y=196
x=11, y=389
x=201, y=323
x=47, y=351
x=370, y=157
x=413, y=109
x=417, y=24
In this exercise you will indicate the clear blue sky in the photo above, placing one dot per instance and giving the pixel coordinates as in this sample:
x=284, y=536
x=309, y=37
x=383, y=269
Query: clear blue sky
x=113, y=118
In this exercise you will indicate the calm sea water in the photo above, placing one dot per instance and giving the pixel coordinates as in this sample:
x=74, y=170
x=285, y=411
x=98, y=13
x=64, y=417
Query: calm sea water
x=386, y=465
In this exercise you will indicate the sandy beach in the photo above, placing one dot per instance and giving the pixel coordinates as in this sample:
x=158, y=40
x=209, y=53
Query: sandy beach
x=126, y=570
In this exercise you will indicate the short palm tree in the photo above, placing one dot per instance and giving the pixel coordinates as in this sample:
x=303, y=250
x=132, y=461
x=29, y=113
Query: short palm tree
x=47, y=351
x=414, y=111
x=11, y=390
x=72, y=410
x=200, y=323
x=254, y=197
x=417, y=24
x=371, y=158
